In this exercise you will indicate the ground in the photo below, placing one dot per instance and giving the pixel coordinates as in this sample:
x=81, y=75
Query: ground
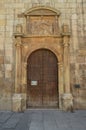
x=43, y=120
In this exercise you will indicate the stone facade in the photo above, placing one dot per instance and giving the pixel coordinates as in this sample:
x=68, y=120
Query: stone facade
x=13, y=25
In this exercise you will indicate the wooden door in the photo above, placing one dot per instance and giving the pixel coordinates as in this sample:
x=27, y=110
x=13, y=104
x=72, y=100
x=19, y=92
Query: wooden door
x=42, y=75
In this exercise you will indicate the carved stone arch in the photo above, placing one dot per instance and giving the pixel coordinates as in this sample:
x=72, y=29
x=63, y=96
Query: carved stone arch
x=52, y=49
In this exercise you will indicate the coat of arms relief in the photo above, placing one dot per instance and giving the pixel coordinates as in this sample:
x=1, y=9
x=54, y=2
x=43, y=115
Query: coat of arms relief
x=42, y=25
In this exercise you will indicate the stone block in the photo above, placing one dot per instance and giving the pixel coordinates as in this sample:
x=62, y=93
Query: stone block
x=80, y=102
x=8, y=67
x=1, y=59
x=1, y=74
x=17, y=101
x=1, y=46
x=7, y=59
x=5, y=103
x=67, y=102
x=2, y=11
x=2, y=22
x=8, y=74
x=23, y=102
x=82, y=93
x=9, y=52
x=80, y=59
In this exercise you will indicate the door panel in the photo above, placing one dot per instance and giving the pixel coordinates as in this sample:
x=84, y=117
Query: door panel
x=42, y=89
x=34, y=80
x=49, y=79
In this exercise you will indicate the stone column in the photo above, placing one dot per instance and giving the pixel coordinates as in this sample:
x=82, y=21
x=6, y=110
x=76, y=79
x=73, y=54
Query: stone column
x=66, y=66
x=18, y=65
x=66, y=37
x=67, y=97
x=19, y=103
x=17, y=97
x=18, y=69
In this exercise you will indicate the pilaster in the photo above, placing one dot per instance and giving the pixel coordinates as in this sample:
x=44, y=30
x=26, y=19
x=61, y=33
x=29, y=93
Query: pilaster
x=18, y=65
x=67, y=98
x=19, y=98
x=66, y=38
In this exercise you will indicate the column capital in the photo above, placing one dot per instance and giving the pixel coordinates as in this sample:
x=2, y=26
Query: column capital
x=66, y=44
x=18, y=42
x=60, y=64
x=66, y=41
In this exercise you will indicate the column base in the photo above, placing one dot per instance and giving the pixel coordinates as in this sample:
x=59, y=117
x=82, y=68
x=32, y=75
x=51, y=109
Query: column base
x=19, y=102
x=67, y=102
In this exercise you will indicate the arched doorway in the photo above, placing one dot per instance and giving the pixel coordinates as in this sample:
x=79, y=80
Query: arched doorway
x=42, y=79
x=37, y=74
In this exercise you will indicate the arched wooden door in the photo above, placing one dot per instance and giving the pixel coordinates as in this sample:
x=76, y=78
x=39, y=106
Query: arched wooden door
x=42, y=79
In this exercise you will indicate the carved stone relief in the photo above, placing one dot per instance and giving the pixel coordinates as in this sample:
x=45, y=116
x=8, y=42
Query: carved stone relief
x=42, y=25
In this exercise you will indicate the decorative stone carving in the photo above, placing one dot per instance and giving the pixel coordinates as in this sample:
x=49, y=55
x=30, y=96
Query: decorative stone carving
x=42, y=25
x=65, y=28
x=18, y=28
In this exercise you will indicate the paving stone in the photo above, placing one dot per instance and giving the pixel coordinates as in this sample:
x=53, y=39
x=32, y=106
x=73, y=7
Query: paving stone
x=4, y=116
x=25, y=121
x=43, y=120
x=36, y=121
x=13, y=121
x=36, y=125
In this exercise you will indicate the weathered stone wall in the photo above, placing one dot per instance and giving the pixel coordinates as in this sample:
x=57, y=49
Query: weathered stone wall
x=73, y=13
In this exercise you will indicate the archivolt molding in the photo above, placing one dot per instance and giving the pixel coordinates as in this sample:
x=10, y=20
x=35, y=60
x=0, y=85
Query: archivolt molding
x=53, y=49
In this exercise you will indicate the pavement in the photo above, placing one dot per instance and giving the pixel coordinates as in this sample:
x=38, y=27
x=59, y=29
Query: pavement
x=43, y=120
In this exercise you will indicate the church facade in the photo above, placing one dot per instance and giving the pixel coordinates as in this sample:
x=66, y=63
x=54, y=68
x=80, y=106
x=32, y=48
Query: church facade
x=42, y=54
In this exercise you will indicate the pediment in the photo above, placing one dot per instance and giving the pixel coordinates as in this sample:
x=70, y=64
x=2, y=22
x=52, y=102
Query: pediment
x=41, y=21
x=37, y=11
x=41, y=12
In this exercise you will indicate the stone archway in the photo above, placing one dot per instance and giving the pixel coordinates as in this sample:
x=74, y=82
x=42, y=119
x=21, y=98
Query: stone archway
x=60, y=67
x=48, y=37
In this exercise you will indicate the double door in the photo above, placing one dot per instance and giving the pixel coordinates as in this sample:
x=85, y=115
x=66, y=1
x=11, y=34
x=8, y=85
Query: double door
x=42, y=79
